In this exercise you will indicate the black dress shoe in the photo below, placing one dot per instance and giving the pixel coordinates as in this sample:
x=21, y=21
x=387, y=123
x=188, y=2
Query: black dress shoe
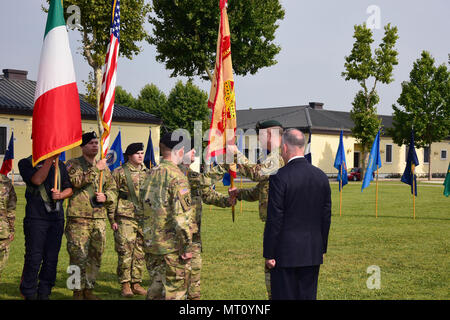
x=43, y=297
x=30, y=297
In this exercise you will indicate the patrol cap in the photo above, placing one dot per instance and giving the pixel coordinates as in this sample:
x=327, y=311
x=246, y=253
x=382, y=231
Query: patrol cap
x=166, y=140
x=134, y=148
x=87, y=137
x=267, y=124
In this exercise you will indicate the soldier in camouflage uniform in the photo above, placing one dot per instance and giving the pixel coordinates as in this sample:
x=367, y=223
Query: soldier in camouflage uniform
x=86, y=214
x=127, y=224
x=169, y=223
x=8, y=202
x=201, y=191
x=269, y=134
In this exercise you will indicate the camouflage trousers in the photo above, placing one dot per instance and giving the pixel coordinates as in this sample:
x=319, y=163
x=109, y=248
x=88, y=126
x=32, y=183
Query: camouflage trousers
x=169, y=275
x=4, y=254
x=86, y=239
x=267, y=279
x=195, y=267
x=129, y=242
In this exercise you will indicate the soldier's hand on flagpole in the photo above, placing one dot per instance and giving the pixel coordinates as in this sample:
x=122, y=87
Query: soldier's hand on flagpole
x=101, y=164
x=11, y=236
x=56, y=194
x=100, y=197
x=115, y=226
x=233, y=193
x=232, y=149
x=186, y=256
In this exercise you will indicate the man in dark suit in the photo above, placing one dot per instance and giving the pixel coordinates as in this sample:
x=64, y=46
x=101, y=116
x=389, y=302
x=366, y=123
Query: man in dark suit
x=298, y=222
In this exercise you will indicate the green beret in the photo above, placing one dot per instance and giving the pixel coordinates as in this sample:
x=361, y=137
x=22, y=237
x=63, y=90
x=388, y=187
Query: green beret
x=267, y=124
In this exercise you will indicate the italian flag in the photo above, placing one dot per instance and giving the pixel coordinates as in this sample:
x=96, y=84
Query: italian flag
x=56, y=115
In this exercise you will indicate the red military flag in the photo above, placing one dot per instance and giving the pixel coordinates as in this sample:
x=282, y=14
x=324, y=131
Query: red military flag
x=107, y=96
x=56, y=115
x=221, y=97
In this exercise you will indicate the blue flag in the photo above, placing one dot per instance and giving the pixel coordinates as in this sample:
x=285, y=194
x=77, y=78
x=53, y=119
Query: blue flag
x=308, y=149
x=340, y=162
x=374, y=162
x=411, y=162
x=149, y=157
x=114, y=157
x=62, y=156
x=9, y=157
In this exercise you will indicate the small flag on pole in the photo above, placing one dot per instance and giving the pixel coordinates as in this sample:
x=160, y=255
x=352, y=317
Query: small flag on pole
x=447, y=182
x=308, y=149
x=340, y=163
x=374, y=162
x=149, y=158
x=114, y=157
x=9, y=157
x=409, y=176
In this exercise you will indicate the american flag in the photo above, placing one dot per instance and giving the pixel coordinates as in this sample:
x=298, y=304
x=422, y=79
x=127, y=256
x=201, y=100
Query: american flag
x=109, y=77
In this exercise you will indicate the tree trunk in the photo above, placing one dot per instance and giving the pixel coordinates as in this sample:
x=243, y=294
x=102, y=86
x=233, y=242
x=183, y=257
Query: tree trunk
x=364, y=160
x=429, y=162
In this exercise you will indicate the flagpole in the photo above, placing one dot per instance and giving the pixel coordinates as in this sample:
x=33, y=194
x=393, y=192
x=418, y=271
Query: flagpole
x=340, y=194
x=376, y=196
x=413, y=167
x=56, y=174
x=12, y=171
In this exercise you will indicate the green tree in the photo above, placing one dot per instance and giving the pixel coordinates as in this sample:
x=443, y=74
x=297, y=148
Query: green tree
x=363, y=65
x=186, y=103
x=185, y=35
x=425, y=105
x=124, y=98
x=152, y=100
x=95, y=29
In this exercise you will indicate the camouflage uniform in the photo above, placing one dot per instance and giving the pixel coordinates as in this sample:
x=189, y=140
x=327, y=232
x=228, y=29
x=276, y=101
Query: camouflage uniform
x=86, y=228
x=201, y=191
x=129, y=240
x=8, y=202
x=169, y=223
x=259, y=173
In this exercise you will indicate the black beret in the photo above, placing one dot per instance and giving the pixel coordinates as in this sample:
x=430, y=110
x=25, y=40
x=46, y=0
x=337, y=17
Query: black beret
x=166, y=140
x=134, y=148
x=267, y=124
x=87, y=137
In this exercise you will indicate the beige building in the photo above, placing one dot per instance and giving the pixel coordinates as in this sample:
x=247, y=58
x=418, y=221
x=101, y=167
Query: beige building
x=16, y=111
x=325, y=126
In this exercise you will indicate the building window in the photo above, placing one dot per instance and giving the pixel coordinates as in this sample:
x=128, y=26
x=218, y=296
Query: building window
x=3, y=139
x=426, y=155
x=389, y=153
x=443, y=154
x=406, y=153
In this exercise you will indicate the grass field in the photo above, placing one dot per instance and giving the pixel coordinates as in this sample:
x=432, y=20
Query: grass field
x=413, y=255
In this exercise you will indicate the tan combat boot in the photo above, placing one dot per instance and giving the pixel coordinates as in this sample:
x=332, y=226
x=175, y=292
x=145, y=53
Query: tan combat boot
x=78, y=295
x=126, y=290
x=137, y=289
x=88, y=295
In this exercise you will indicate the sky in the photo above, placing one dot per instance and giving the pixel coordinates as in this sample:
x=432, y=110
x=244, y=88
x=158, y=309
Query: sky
x=315, y=37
